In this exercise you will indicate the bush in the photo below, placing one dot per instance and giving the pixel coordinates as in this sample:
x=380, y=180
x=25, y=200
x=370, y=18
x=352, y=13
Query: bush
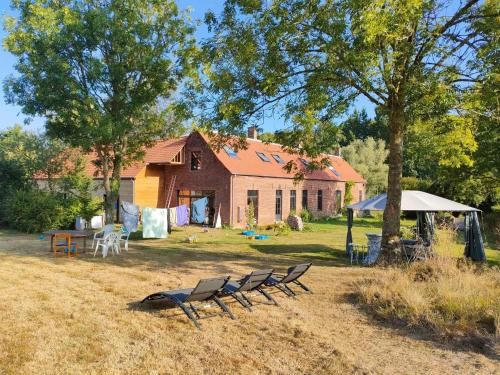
x=455, y=300
x=306, y=216
x=282, y=229
x=414, y=183
x=34, y=210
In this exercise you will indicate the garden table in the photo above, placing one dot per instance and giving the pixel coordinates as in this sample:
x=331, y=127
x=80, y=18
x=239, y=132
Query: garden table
x=77, y=234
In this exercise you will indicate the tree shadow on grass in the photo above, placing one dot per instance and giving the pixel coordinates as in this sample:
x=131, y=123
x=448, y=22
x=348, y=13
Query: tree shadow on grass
x=402, y=328
x=316, y=253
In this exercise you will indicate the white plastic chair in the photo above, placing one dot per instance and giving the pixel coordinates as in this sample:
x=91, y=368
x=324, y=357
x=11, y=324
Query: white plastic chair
x=124, y=235
x=99, y=236
x=111, y=241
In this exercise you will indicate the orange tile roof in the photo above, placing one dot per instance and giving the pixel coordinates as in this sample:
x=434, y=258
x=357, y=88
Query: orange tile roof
x=162, y=152
x=250, y=164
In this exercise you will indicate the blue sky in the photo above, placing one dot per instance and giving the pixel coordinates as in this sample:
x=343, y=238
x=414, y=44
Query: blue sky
x=10, y=114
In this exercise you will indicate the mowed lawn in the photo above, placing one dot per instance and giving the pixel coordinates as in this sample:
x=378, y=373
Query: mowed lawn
x=82, y=316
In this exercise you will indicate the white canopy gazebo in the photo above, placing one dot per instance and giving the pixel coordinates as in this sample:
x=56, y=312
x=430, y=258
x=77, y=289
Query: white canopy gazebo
x=425, y=205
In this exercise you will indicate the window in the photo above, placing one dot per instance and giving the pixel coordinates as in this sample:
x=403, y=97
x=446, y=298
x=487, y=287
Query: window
x=305, y=162
x=279, y=195
x=230, y=152
x=304, y=199
x=360, y=195
x=338, y=200
x=320, y=200
x=293, y=200
x=278, y=159
x=263, y=157
x=253, y=197
x=195, y=160
x=330, y=167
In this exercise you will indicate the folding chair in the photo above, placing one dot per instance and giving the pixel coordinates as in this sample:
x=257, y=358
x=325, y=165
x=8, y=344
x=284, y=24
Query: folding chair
x=281, y=281
x=206, y=290
x=251, y=282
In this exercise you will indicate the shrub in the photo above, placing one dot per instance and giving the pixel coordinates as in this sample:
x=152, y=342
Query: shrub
x=348, y=193
x=306, y=215
x=455, y=300
x=35, y=211
x=282, y=229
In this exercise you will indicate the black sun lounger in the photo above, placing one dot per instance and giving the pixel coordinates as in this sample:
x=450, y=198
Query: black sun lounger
x=281, y=281
x=206, y=290
x=251, y=282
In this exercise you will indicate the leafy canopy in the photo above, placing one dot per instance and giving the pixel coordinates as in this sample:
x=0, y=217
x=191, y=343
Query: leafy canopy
x=307, y=60
x=103, y=73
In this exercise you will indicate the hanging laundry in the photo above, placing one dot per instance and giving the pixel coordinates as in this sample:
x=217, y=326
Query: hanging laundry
x=154, y=223
x=172, y=216
x=199, y=210
x=182, y=215
x=130, y=216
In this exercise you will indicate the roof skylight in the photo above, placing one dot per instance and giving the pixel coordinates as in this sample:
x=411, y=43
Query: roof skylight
x=330, y=167
x=278, y=159
x=263, y=157
x=305, y=162
x=230, y=152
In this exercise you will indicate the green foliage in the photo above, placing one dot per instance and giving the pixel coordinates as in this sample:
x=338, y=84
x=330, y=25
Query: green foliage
x=250, y=216
x=34, y=211
x=282, y=229
x=108, y=77
x=306, y=215
x=67, y=189
x=360, y=126
x=267, y=137
x=368, y=158
x=348, y=193
x=414, y=183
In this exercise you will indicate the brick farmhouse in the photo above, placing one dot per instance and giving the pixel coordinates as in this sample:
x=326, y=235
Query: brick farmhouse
x=191, y=169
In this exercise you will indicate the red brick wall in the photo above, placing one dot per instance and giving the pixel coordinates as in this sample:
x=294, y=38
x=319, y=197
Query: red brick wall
x=212, y=176
x=267, y=187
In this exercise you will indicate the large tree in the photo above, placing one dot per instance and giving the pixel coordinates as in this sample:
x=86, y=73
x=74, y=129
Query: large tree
x=315, y=57
x=104, y=73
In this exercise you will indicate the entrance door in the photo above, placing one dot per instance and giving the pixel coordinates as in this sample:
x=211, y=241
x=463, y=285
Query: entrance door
x=187, y=197
x=279, y=205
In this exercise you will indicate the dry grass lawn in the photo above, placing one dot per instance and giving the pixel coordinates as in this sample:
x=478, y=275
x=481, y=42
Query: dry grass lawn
x=81, y=316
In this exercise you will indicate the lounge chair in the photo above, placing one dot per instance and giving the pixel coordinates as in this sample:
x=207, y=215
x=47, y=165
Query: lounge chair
x=251, y=282
x=281, y=281
x=206, y=290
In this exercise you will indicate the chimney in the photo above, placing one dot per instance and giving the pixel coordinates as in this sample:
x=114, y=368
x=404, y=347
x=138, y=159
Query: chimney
x=337, y=151
x=253, y=132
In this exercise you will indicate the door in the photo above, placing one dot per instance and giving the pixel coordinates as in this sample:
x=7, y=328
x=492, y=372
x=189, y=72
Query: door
x=279, y=205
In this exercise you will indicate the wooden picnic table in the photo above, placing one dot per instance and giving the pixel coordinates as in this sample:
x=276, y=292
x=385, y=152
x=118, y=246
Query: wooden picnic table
x=81, y=234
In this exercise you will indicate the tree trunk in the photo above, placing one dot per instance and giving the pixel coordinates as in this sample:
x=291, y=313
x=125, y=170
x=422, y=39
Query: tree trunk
x=392, y=212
